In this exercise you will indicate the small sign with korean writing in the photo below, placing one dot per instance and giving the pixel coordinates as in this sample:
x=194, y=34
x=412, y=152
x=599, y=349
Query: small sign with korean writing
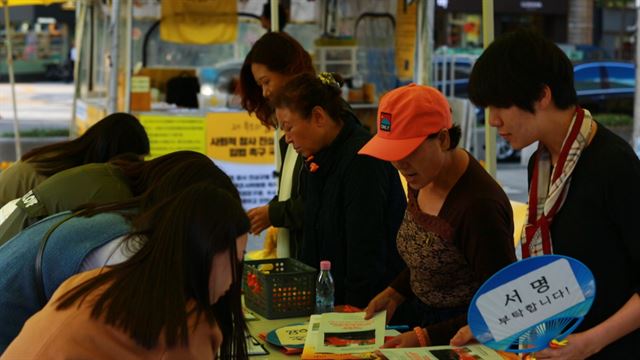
x=239, y=138
x=529, y=299
x=140, y=84
x=244, y=149
x=256, y=184
x=170, y=132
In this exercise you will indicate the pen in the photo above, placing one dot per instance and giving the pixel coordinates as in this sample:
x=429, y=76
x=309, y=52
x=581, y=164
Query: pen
x=398, y=327
x=555, y=344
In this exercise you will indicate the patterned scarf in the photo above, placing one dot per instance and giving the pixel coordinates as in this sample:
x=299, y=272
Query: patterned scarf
x=549, y=189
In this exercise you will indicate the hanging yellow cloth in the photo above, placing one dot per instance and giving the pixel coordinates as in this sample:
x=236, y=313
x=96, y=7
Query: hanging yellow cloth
x=199, y=22
x=406, y=28
x=30, y=2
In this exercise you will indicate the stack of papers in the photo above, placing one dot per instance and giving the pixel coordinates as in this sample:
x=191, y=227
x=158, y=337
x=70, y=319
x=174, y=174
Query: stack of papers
x=344, y=336
x=476, y=352
x=348, y=336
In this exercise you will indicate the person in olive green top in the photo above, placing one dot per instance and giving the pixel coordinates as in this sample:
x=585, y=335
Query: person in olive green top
x=121, y=179
x=66, y=190
x=116, y=134
x=17, y=179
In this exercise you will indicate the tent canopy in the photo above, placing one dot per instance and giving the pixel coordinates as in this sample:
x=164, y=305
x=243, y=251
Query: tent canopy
x=29, y=2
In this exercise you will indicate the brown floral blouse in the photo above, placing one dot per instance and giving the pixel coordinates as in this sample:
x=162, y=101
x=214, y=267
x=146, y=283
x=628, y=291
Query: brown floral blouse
x=450, y=255
x=440, y=275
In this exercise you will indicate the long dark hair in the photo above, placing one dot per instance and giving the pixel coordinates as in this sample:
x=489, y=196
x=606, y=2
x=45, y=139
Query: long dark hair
x=280, y=53
x=155, y=180
x=116, y=134
x=148, y=294
x=305, y=91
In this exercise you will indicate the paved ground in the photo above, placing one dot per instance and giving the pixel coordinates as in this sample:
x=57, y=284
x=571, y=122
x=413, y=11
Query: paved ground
x=40, y=106
x=513, y=178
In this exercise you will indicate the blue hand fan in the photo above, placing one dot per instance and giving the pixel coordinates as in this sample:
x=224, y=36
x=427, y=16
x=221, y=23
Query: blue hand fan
x=526, y=305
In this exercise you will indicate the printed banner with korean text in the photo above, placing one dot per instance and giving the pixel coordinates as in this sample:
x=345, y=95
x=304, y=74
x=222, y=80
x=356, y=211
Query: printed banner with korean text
x=169, y=132
x=243, y=148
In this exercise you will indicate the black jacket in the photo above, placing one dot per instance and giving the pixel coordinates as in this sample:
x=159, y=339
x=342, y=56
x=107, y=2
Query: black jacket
x=353, y=207
x=289, y=213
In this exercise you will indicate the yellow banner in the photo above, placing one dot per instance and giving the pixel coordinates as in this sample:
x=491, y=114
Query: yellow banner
x=406, y=30
x=239, y=138
x=200, y=22
x=169, y=133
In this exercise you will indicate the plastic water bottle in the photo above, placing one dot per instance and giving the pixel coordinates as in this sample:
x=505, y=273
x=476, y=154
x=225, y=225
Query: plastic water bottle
x=324, y=289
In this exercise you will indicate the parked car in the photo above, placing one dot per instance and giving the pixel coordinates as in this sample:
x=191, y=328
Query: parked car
x=443, y=78
x=221, y=75
x=605, y=86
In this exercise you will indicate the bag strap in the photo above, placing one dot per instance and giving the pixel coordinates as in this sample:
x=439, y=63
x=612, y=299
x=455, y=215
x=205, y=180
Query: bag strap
x=39, y=277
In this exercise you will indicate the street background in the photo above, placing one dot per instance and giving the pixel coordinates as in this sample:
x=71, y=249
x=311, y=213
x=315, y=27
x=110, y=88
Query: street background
x=47, y=107
x=40, y=106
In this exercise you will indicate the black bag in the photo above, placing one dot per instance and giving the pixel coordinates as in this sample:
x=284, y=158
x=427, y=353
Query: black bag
x=183, y=91
x=39, y=280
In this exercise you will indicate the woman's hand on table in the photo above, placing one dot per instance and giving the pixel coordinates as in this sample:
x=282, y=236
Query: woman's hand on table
x=404, y=340
x=579, y=346
x=259, y=218
x=389, y=299
x=462, y=337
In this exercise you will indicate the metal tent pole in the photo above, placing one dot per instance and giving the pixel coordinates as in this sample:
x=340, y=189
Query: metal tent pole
x=12, y=80
x=112, y=101
x=636, y=96
x=79, y=38
x=128, y=67
x=489, y=132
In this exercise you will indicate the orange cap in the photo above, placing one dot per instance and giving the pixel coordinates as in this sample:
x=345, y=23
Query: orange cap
x=406, y=116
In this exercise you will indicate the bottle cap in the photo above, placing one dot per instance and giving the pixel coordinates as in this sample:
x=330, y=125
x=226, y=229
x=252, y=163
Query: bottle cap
x=325, y=265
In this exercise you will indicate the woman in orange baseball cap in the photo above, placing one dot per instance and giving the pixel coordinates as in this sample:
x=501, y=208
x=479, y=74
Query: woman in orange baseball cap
x=458, y=227
x=353, y=204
